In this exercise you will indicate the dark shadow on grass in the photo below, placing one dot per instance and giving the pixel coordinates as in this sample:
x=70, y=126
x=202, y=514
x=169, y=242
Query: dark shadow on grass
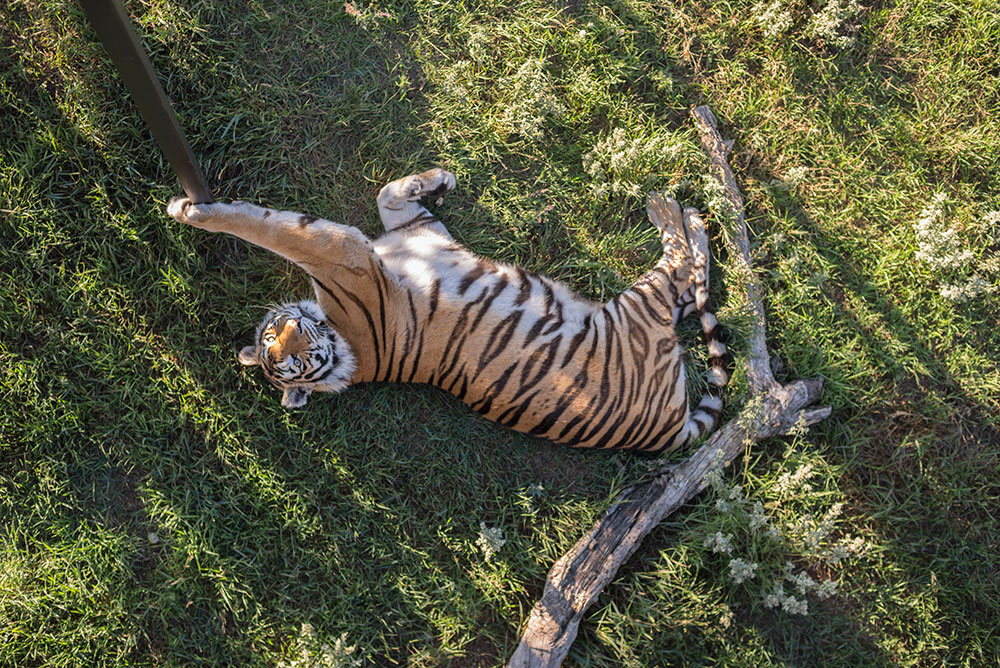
x=925, y=524
x=808, y=645
x=251, y=517
x=165, y=464
x=273, y=503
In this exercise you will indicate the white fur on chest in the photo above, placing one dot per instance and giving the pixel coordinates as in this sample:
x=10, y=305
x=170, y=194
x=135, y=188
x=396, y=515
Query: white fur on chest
x=422, y=257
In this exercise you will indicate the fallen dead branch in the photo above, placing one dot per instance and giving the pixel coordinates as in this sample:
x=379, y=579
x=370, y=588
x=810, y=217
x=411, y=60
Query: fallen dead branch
x=580, y=575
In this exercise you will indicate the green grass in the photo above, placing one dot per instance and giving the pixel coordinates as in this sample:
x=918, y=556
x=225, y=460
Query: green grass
x=158, y=507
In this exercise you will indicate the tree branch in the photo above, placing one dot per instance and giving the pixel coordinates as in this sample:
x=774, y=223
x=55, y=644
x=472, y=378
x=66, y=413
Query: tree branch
x=579, y=576
x=717, y=149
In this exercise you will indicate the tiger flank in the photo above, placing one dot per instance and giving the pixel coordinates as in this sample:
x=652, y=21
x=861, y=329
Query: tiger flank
x=521, y=349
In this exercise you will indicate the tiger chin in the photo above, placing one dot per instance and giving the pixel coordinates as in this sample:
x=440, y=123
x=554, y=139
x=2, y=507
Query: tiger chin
x=521, y=349
x=300, y=353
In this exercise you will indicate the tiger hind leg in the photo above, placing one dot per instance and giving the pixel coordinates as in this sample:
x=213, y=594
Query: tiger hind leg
x=685, y=247
x=399, y=206
x=685, y=305
x=668, y=218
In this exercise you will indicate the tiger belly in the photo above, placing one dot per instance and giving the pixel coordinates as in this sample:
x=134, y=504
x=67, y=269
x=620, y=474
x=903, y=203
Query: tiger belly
x=528, y=353
x=582, y=386
x=599, y=381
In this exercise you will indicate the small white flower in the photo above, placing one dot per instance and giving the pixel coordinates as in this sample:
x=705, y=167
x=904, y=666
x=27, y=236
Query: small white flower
x=758, y=518
x=803, y=583
x=530, y=100
x=846, y=547
x=938, y=245
x=826, y=589
x=942, y=249
x=776, y=597
x=719, y=542
x=795, y=606
x=490, y=540
x=714, y=476
x=773, y=17
x=818, y=534
x=964, y=291
x=827, y=23
x=789, y=483
x=788, y=603
x=800, y=428
x=741, y=570
x=715, y=198
x=452, y=80
x=311, y=653
x=796, y=176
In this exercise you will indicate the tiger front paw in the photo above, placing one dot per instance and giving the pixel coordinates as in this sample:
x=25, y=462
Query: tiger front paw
x=183, y=210
x=435, y=183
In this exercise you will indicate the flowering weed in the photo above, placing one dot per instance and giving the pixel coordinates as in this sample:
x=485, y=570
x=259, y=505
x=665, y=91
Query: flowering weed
x=762, y=533
x=774, y=17
x=309, y=651
x=832, y=22
x=950, y=254
x=490, y=540
x=528, y=100
x=631, y=163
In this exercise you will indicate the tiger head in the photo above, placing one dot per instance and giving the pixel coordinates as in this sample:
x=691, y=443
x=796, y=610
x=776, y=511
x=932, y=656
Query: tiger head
x=299, y=352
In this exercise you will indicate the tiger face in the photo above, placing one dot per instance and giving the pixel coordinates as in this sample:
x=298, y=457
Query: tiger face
x=299, y=352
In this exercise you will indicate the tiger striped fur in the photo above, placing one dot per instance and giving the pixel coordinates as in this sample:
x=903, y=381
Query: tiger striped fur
x=521, y=349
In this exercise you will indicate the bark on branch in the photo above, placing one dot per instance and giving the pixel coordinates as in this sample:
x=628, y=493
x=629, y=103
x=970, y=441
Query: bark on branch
x=580, y=575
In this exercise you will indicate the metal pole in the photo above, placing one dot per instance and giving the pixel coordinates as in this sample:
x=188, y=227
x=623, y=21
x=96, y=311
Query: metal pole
x=115, y=30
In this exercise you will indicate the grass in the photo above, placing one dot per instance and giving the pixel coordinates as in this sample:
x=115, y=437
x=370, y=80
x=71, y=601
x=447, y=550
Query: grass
x=158, y=507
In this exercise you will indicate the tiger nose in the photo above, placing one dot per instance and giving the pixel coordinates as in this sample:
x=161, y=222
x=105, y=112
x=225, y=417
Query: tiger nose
x=288, y=322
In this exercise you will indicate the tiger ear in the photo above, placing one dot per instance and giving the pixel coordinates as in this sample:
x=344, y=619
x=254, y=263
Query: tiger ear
x=248, y=356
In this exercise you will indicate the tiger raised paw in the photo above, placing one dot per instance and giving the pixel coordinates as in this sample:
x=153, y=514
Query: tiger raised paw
x=525, y=351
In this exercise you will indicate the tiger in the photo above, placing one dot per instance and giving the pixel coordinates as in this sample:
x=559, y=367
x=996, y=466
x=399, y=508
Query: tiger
x=521, y=349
